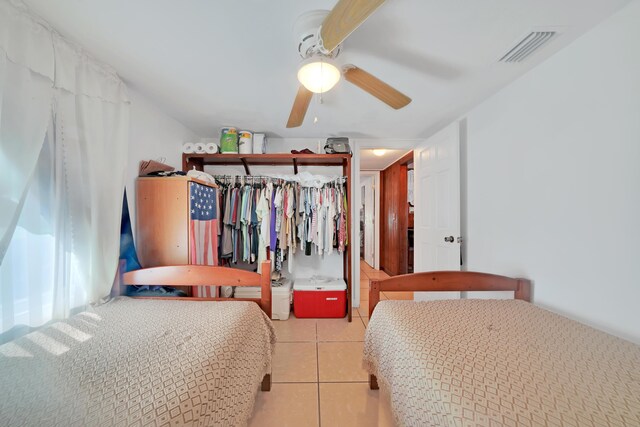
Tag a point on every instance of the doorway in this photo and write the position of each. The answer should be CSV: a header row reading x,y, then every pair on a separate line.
x,y
396,230
373,160
368,219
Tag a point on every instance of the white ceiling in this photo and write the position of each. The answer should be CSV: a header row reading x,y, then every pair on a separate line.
x,y
371,162
229,62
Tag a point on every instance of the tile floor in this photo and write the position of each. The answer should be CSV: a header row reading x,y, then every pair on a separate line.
x,y
317,373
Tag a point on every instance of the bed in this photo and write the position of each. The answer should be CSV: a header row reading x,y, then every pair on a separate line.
x,y
145,361
494,362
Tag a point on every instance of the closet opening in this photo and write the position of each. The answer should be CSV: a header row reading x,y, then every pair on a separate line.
x,y
300,187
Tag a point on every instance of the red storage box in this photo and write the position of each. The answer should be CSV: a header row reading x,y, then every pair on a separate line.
x,y
319,298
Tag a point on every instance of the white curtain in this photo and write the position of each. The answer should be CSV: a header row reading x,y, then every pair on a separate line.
x,y
92,127
63,253
26,90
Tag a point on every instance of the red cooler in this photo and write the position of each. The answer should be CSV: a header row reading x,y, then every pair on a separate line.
x,y
319,297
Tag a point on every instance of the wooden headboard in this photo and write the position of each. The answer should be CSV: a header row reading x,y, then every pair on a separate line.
x,y
205,275
448,281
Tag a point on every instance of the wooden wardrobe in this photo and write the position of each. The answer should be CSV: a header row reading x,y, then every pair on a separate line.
x,y
394,217
162,220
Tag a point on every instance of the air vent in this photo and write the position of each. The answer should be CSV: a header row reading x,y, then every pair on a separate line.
x,y
525,47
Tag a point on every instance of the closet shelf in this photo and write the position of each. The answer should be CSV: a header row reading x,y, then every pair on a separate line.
x,y
276,159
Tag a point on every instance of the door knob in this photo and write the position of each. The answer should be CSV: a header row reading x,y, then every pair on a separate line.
x,y
449,239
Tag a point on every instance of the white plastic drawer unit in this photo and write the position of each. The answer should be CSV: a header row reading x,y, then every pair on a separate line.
x,y
280,298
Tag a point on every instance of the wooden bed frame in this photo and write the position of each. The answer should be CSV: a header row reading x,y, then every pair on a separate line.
x,y
205,275
445,281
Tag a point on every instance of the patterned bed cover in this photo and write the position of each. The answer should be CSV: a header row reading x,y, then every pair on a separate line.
x,y
499,363
139,362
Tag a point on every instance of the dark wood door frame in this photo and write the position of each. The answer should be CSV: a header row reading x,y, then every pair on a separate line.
x,y
394,242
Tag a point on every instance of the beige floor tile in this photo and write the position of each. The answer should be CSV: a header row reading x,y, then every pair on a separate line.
x,y
287,405
355,312
341,361
295,329
295,362
377,275
383,296
363,311
361,319
365,320
339,330
398,295
365,266
353,405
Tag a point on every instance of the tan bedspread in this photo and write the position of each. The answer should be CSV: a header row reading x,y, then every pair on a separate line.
x,y
492,362
139,362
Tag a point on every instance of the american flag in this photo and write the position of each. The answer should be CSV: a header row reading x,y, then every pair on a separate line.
x,y
203,227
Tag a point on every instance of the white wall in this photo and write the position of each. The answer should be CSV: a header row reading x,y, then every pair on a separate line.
x,y
553,179
153,135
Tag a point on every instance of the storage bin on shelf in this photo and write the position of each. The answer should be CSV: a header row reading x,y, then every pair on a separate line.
x,y
280,298
229,140
245,142
320,297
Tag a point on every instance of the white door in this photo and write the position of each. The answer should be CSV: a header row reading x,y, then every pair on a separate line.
x,y
437,205
369,218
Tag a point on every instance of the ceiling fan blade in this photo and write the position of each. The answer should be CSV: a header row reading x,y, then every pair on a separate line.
x,y
300,106
375,87
344,18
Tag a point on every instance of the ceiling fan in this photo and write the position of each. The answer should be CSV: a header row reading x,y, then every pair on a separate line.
x,y
320,34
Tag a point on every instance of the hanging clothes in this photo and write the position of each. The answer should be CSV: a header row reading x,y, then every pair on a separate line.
x,y
263,216
279,217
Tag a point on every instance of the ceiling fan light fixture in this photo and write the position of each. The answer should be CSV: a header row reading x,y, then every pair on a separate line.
x,y
379,152
318,74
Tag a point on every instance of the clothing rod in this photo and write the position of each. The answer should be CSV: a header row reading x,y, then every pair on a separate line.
x,y
338,179
260,176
